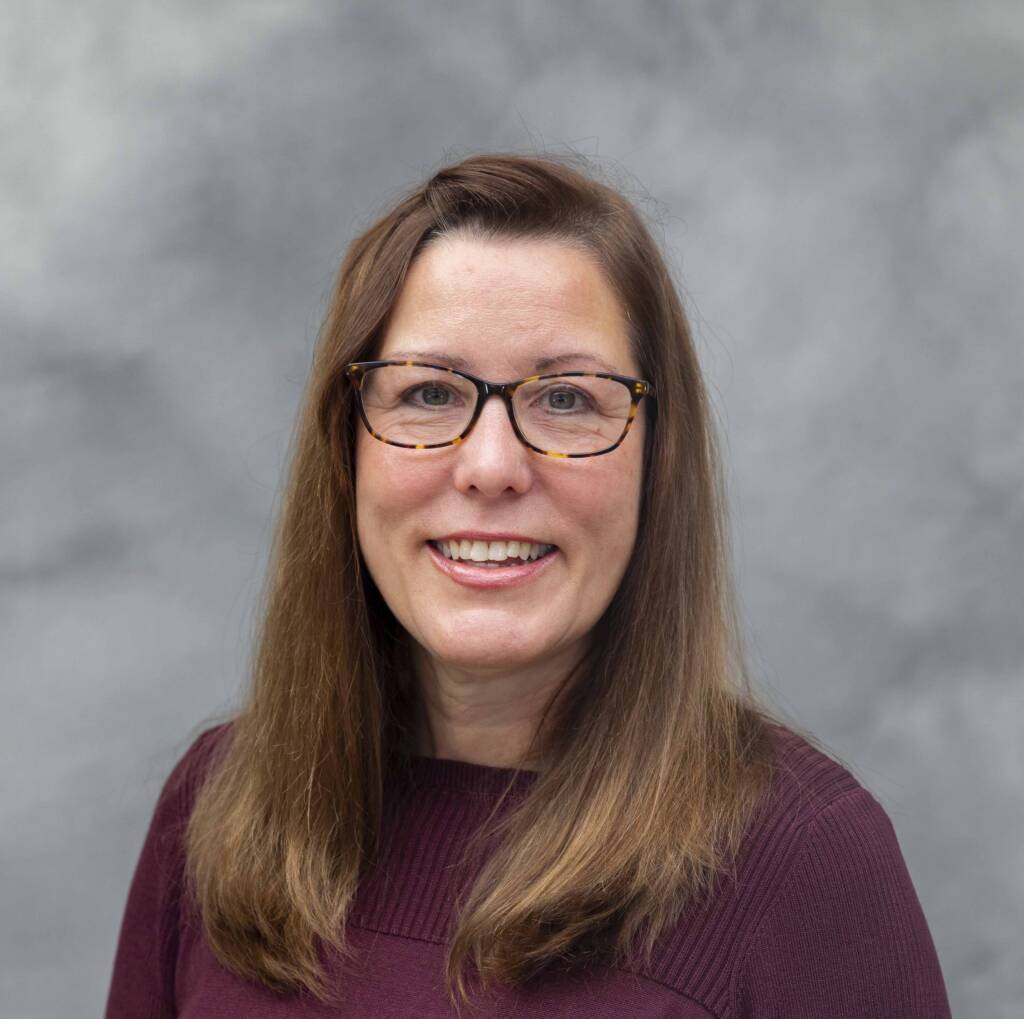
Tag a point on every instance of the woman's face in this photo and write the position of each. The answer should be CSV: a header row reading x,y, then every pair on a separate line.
x,y
500,307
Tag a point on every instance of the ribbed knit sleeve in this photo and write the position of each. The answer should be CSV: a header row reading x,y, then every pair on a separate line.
x,y
844,935
142,983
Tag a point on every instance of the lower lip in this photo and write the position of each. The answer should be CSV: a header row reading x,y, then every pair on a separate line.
x,y
482,576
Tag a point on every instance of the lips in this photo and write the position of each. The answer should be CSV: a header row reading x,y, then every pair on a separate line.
x,y
470,574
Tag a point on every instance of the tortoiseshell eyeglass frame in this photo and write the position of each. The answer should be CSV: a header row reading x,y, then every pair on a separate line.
x,y
638,389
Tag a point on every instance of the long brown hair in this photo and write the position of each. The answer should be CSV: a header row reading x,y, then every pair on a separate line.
x,y
658,751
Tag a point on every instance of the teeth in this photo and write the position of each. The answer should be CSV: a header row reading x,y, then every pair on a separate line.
x,y
493,551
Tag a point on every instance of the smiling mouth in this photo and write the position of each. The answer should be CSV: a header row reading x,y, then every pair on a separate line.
x,y
516,554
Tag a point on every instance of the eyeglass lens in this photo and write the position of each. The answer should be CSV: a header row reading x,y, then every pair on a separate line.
x,y
562,414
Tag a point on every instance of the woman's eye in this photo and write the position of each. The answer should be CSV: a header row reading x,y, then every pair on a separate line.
x,y
433,396
565,399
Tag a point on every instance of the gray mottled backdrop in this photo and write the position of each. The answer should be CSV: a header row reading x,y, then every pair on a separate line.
x,y
838,187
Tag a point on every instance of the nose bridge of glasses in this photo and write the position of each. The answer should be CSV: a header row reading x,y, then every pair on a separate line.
x,y
497,388
503,391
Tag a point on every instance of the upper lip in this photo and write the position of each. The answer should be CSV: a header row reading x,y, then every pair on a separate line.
x,y
483,536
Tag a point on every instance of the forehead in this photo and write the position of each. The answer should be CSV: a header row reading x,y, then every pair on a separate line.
x,y
507,305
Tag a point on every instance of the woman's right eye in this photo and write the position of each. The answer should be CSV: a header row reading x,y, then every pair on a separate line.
x,y
431,394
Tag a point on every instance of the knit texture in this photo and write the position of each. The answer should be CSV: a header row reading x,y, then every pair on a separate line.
x,y
822,920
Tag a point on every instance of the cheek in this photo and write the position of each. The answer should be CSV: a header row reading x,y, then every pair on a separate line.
x,y
605,503
390,490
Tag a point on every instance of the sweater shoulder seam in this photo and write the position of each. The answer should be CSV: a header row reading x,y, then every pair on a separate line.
x,y
712,1013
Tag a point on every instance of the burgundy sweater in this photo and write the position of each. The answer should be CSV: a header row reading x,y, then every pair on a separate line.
x,y
822,920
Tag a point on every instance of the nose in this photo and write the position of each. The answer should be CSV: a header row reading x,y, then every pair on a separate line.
x,y
491,458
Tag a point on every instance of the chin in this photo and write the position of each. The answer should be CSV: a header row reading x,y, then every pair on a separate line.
x,y
486,656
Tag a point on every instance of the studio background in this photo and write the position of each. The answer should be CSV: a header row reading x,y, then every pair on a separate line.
x,y
838,189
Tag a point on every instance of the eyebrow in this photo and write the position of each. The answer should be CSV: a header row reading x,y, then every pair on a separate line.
x,y
454,361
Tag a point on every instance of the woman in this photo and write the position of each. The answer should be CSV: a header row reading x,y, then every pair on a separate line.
x,y
500,752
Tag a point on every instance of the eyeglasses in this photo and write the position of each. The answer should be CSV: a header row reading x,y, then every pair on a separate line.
x,y
425,406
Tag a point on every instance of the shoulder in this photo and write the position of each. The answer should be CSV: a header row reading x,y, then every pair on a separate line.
x,y
817,817
816,814
824,813
806,780
809,791
203,749
179,790
812,797
830,914
143,978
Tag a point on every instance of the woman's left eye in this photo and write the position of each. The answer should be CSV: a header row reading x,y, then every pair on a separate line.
x,y
568,399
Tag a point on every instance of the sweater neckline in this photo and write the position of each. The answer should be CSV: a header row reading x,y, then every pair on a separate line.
x,y
466,777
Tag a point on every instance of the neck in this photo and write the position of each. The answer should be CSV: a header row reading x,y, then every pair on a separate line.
x,y
484,719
